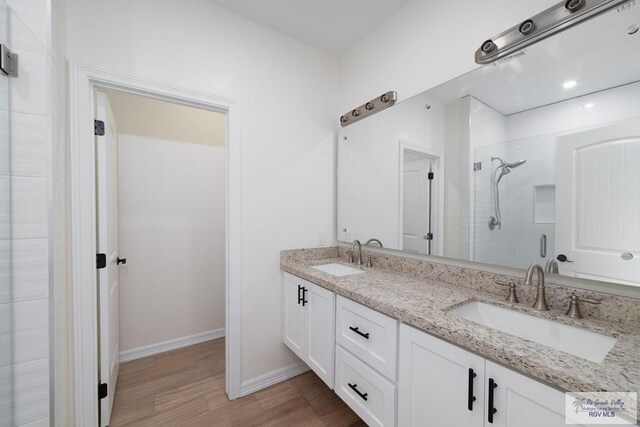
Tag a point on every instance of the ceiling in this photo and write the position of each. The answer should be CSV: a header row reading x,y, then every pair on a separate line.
x,y
331,25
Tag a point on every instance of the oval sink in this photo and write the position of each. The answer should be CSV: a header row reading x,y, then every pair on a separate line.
x,y
336,269
579,342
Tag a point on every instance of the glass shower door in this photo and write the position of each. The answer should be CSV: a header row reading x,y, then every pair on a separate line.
x,y
6,336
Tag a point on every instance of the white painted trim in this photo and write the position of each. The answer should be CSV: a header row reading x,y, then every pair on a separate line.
x,y
82,81
270,378
174,344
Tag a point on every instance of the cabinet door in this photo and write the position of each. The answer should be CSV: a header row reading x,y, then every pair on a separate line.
x,y
438,383
321,315
294,316
523,402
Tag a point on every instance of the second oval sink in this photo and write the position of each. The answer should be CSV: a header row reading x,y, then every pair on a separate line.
x,y
579,342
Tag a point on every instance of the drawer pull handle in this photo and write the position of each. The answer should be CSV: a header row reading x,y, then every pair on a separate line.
x,y
492,410
357,331
354,387
304,296
471,397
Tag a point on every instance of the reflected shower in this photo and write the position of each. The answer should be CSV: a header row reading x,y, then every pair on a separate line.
x,y
501,170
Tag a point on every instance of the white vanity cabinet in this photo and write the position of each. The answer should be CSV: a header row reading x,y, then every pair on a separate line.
x,y
439,384
522,401
309,325
437,387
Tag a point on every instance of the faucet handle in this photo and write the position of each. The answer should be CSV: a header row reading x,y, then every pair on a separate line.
x,y
512,297
574,305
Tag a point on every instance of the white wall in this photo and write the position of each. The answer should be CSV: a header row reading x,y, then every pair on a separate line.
x,y
426,43
172,232
287,123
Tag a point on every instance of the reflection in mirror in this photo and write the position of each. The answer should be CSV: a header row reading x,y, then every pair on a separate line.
x,y
532,159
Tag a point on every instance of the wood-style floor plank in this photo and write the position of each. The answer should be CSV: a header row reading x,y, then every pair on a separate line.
x,y
186,387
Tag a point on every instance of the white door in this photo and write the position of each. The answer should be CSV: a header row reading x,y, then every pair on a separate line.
x,y
415,203
523,402
439,384
321,332
294,333
598,203
107,216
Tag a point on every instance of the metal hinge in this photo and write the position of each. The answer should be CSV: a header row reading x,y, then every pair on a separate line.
x,y
8,61
477,166
101,261
103,391
98,128
430,176
428,236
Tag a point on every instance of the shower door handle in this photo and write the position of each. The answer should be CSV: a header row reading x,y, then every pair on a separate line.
x,y
543,246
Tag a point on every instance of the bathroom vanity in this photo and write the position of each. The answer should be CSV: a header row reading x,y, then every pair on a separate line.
x,y
399,342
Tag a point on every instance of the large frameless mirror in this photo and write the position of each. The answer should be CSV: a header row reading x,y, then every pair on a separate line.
x,y
534,158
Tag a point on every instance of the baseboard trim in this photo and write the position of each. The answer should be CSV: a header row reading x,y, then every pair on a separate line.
x,y
270,378
161,347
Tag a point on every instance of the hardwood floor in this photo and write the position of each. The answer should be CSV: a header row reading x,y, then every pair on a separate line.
x,y
186,388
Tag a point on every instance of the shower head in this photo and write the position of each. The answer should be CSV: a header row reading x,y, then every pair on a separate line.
x,y
505,167
515,164
509,165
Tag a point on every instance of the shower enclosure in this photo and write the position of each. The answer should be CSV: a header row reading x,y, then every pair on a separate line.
x,y
6,324
515,191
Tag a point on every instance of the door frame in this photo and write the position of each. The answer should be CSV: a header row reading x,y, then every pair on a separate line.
x,y
83,79
439,200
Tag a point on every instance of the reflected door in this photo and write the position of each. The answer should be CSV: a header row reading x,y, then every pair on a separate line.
x,y
418,203
598,203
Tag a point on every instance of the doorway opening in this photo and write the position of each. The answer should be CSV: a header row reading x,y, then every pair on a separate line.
x,y
160,174
86,84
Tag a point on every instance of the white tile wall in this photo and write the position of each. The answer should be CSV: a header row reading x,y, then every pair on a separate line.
x,y
30,169
29,207
31,389
30,151
30,258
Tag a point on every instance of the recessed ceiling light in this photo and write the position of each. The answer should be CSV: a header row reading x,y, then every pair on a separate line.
x,y
569,84
589,105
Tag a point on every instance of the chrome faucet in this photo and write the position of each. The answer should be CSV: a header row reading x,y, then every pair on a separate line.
x,y
374,240
541,298
552,266
356,259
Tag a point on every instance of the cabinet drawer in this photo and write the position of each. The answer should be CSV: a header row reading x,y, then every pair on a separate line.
x,y
368,393
369,335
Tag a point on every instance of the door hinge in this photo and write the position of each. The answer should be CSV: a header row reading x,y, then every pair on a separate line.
x,y
98,128
428,236
477,166
103,390
101,261
8,61
430,176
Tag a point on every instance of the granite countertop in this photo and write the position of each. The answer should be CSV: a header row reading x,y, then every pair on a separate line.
x,y
424,304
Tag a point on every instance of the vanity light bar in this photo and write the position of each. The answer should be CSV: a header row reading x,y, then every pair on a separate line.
x,y
558,18
365,110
